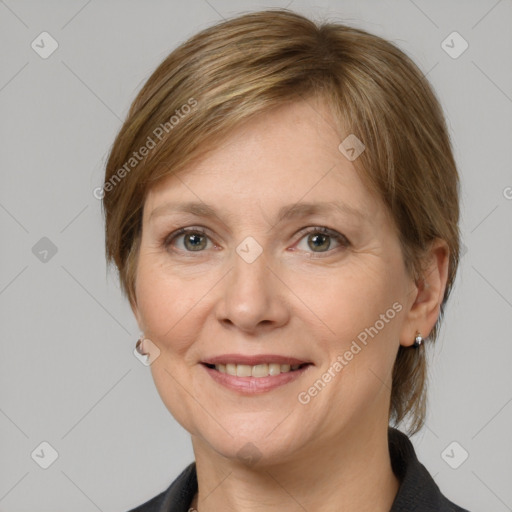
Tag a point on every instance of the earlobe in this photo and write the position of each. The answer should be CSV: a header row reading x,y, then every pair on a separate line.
x,y
428,295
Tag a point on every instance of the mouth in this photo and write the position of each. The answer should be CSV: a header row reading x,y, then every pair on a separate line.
x,y
258,370
254,374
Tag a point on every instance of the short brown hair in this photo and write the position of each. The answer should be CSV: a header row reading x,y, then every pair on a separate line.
x,y
250,64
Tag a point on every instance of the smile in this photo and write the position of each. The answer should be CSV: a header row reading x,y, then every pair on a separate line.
x,y
258,370
259,378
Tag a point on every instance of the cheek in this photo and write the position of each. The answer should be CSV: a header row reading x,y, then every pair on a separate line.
x,y
362,308
168,306
165,303
172,382
361,296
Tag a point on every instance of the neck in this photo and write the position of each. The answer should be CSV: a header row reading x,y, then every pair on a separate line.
x,y
349,476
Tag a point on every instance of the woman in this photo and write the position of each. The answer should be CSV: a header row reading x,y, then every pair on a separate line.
x,y
282,206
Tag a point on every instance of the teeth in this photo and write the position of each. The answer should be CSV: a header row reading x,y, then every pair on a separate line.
x,y
259,370
276,369
243,370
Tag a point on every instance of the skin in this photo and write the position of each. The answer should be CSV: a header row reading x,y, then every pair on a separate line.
x,y
298,299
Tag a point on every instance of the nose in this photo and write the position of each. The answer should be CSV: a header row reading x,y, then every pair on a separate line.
x,y
253,297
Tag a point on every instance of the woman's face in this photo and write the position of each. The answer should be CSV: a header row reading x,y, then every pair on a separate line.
x,y
297,264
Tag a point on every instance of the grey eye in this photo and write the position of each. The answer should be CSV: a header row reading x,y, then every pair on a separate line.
x,y
195,241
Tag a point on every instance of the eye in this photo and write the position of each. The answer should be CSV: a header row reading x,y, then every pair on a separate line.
x,y
194,239
321,238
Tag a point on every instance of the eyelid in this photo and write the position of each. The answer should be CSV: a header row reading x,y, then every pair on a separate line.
x,y
324,230
167,239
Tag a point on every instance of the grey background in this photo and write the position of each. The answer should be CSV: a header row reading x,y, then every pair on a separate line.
x,y
68,375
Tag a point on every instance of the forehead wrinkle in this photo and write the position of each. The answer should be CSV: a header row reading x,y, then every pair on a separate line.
x,y
311,208
285,212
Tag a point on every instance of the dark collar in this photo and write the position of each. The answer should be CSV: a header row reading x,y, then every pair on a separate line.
x,y
417,493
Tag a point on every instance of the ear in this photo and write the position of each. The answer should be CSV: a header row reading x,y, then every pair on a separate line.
x,y
427,294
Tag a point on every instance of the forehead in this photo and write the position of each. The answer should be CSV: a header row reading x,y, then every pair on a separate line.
x,y
286,156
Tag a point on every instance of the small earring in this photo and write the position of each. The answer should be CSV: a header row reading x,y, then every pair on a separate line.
x,y
418,340
138,345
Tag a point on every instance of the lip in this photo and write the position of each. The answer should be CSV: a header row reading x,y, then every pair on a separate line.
x,y
253,360
255,385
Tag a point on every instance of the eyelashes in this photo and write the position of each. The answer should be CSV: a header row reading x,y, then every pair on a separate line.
x,y
169,239
325,233
196,234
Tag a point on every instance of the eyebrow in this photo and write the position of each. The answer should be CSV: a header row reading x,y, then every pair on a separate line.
x,y
288,212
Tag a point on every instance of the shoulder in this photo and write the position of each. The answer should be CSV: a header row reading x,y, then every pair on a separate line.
x,y
417,491
177,497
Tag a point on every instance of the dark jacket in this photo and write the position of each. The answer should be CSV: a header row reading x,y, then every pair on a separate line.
x,y
417,493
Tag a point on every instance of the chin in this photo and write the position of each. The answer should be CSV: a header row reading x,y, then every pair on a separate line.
x,y
254,439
